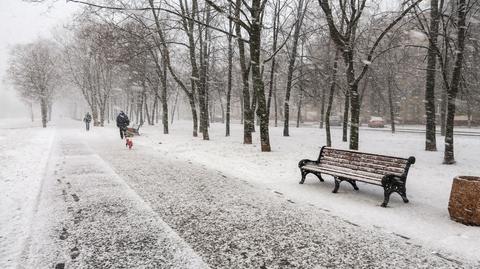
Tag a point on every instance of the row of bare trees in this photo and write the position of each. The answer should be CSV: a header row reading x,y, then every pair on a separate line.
x,y
257,60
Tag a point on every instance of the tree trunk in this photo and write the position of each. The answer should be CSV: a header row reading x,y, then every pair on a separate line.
x,y
322,108
173,110
443,110
102,115
469,113
95,114
164,99
202,87
430,136
449,157
258,85
247,111
346,112
333,85
158,111
291,67
299,110
44,111
230,69
275,29
275,100
300,95
109,109
154,108
390,104
32,115
147,113
191,100
50,112
354,101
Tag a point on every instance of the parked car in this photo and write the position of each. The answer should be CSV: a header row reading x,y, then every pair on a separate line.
x,y
376,122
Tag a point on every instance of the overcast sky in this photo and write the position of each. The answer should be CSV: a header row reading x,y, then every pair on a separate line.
x,y
22,22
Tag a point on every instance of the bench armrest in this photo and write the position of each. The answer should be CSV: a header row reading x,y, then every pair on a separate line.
x,y
395,179
305,162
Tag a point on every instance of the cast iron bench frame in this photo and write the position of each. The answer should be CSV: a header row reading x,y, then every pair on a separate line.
x,y
351,166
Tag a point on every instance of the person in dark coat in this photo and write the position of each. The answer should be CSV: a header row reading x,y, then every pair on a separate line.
x,y
87,119
122,123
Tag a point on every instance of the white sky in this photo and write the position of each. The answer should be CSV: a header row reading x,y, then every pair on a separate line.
x,y
23,22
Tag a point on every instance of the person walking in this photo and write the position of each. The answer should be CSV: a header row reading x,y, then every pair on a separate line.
x,y
122,123
87,119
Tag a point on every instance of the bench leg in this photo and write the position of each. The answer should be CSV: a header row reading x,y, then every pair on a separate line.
x,y
393,184
387,193
353,183
304,174
403,193
337,185
319,175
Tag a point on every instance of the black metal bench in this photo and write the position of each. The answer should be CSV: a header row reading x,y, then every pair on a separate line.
x,y
352,166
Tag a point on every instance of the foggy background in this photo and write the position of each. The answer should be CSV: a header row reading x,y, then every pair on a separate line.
x,y
22,22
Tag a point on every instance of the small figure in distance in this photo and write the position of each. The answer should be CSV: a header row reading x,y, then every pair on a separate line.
x,y
87,119
122,123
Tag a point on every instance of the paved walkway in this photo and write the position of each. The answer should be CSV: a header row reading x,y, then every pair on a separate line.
x,y
103,206
88,217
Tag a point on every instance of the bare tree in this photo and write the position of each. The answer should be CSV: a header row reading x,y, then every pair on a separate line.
x,y
33,70
301,8
345,41
463,6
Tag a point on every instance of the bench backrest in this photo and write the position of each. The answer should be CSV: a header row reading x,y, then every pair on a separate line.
x,y
365,162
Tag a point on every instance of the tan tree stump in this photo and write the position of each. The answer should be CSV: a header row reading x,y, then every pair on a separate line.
x,y
464,205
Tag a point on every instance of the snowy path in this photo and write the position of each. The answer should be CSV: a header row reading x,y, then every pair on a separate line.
x,y
89,218
103,206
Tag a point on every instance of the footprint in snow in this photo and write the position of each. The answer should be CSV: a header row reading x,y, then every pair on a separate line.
x,y
64,234
74,252
75,197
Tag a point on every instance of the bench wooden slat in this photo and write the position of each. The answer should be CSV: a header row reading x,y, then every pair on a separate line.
x,y
352,171
345,174
375,169
380,161
364,154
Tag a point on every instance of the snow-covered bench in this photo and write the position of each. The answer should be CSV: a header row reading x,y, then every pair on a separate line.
x,y
134,130
348,165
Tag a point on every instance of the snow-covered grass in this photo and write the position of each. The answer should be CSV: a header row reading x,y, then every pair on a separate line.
x,y
24,150
425,219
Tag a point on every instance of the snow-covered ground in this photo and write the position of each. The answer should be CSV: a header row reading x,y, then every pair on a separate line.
x,y
425,219
97,196
24,151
